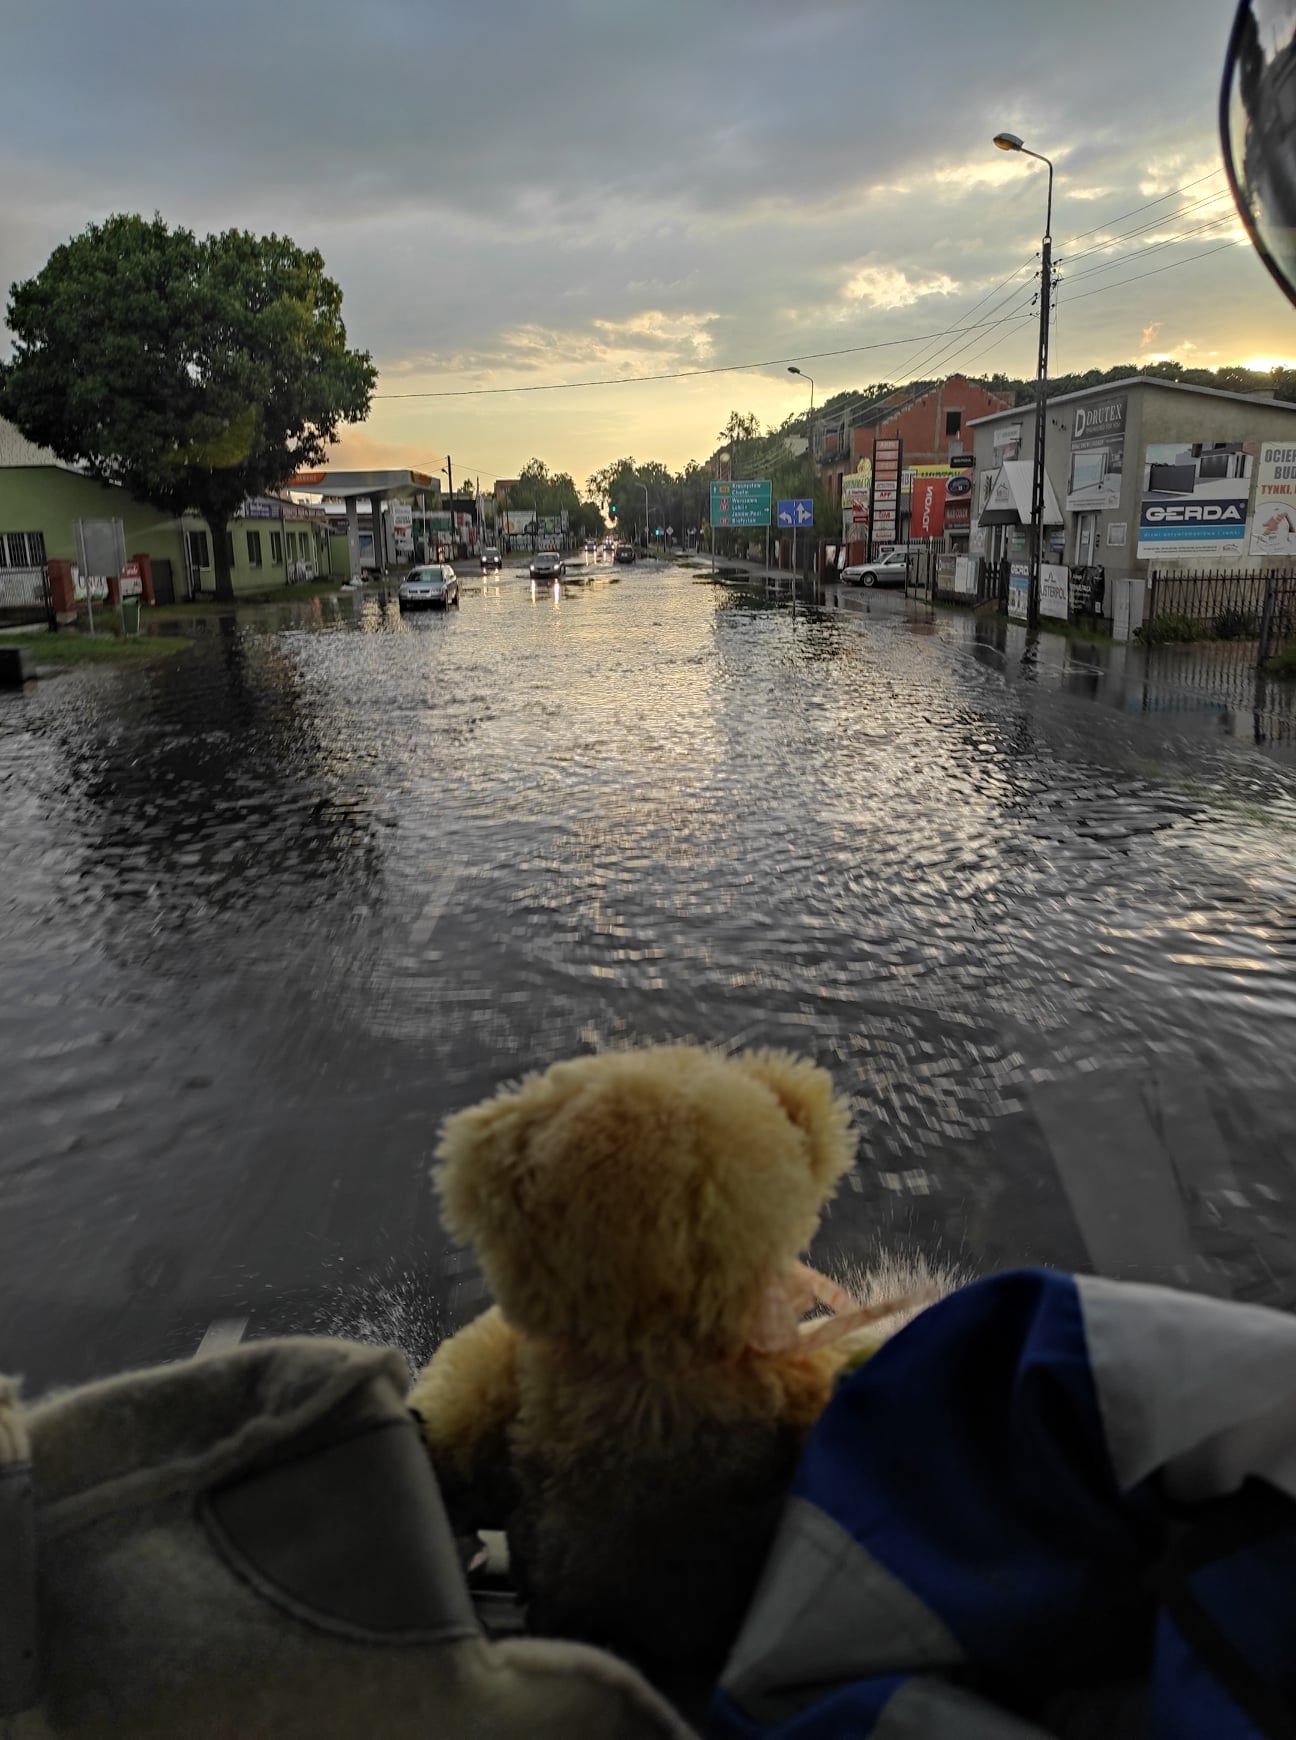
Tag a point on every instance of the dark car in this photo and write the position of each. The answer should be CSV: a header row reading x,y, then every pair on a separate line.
x,y
490,558
624,553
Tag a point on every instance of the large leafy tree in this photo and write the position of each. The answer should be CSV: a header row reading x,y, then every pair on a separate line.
x,y
194,372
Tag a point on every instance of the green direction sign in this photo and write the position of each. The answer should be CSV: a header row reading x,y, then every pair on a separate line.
x,y
742,503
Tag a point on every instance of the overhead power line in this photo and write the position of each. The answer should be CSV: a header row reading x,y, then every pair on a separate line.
x,y
687,374
945,352
1168,267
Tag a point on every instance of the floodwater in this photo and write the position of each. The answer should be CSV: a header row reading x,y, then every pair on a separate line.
x,y
271,909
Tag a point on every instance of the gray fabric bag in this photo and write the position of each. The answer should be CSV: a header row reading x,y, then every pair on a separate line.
x,y
252,1544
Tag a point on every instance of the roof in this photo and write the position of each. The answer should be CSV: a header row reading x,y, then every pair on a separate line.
x,y
16,450
346,483
1109,387
1010,499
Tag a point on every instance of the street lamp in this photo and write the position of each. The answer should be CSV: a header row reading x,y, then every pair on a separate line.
x,y
647,539
1011,142
794,370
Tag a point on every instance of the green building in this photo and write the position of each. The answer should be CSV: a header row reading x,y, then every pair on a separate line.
x,y
50,511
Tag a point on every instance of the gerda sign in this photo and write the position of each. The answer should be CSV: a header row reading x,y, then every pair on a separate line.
x,y
1194,499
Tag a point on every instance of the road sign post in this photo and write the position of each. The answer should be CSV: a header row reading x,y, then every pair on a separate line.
x,y
796,513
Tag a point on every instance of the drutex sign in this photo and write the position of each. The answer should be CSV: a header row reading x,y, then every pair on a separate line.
x,y
741,503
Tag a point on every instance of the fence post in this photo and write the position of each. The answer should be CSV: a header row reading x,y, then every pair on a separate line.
x,y
1150,614
1266,619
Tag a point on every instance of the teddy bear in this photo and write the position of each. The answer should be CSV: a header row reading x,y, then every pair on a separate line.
x,y
631,1408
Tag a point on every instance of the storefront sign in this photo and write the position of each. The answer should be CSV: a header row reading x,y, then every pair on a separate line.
x,y
1018,591
132,581
1273,530
1194,500
1097,455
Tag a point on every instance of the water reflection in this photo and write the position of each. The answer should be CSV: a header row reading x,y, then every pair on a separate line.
x,y
275,908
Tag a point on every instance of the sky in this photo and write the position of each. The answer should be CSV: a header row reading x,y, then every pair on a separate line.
x,y
524,194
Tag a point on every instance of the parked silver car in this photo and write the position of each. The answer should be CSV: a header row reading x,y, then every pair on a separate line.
x,y
888,570
432,588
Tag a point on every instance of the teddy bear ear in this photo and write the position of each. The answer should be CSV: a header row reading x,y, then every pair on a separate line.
x,y
810,1102
482,1174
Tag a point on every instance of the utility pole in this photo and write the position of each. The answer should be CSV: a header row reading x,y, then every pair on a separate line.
x,y
450,481
1011,142
1041,421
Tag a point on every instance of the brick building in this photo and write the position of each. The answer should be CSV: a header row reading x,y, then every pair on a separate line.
x,y
932,422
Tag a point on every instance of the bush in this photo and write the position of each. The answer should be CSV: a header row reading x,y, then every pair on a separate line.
x,y
1236,625
1283,664
1163,630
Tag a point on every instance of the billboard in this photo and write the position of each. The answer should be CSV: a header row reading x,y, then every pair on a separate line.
x,y
927,518
856,489
1194,500
1097,455
888,460
1273,528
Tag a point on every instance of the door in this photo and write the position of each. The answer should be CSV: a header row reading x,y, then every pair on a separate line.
x,y
1086,540
163,582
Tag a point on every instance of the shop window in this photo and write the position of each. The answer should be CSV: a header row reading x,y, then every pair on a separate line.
x,y
254,549
22,549
953,422
292,546
199,550
276,549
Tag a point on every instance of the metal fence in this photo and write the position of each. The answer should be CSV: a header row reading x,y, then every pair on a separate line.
x,y
1220,605
22,588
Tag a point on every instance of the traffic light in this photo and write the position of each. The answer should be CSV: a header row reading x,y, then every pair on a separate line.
x,y
612,509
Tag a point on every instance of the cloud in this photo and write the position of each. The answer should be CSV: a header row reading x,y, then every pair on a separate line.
x,y
513,193
888,287
1150,334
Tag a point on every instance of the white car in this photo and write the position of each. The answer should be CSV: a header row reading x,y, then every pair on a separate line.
x,y
889,570
431,588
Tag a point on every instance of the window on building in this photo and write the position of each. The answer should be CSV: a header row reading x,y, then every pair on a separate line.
x,y
254,549
276,549
953,422
199,550
229,548
22,549
292,546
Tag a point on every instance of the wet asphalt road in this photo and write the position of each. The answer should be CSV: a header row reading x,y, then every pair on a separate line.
x,y
272,909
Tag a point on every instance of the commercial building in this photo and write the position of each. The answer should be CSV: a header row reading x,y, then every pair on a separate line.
x,y
918,432
1142,476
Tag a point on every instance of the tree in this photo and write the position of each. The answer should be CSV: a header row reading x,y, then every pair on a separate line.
x,y
192,372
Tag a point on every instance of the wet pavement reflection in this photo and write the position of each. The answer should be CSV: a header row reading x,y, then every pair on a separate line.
x,y
273,908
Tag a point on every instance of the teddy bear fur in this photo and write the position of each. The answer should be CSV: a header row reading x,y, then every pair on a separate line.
x,y
629,1211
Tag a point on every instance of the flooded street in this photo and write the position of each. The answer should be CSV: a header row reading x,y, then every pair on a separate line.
x,y
272,908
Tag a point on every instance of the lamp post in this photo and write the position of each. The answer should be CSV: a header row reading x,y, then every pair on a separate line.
x,y
794,370
644,488
1010,142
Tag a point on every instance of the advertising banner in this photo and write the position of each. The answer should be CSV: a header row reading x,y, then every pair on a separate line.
x,y
928,517
856,488
1097,455
1055,590
1018,591
1194,500
1007,441
1273,529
